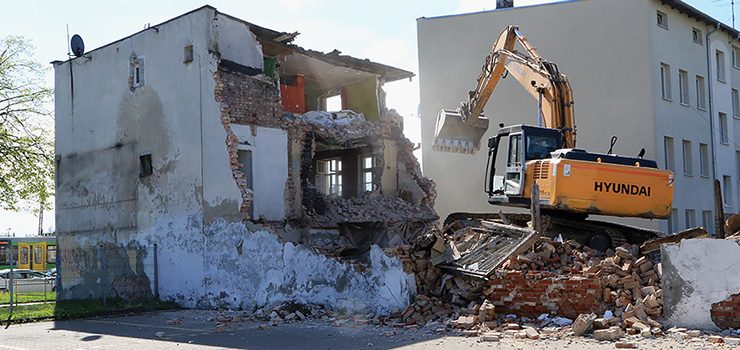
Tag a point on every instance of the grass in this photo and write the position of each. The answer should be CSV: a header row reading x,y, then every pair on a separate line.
x,y
5,298
48,266
69,309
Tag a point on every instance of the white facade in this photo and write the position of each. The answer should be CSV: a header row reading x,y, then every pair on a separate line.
x,y
613,53
150,201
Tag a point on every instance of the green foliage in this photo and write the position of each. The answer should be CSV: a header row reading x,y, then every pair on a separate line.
x,y
26,144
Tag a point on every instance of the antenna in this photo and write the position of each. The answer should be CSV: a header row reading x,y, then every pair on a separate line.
x,y
69,54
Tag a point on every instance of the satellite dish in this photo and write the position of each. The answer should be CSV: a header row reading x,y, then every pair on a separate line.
x,y
77,45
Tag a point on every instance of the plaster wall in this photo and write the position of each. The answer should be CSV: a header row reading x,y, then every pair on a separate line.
x,y
111,220
103,126
605,61
236,42
269,147
685,120
696,274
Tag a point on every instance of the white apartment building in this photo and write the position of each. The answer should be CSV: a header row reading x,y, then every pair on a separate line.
x,y
658,74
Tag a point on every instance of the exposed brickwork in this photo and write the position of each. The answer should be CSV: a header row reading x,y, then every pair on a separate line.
x,y
726,314
132,288
255,100
534,293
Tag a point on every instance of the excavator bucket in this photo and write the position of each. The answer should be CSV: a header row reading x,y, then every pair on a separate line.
x,y
453,135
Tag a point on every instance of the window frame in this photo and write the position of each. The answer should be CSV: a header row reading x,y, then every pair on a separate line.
x,y
701,95
727,190
669,156
367,170
688,163
735,98
683,87
690,218
704,159
735,56
724,136
662,19
696,33
721,71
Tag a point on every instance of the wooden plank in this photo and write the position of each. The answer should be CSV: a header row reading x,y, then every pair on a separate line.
x,y
720,209
535,208
654,244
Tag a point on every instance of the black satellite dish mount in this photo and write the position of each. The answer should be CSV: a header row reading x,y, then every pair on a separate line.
x,y
77,45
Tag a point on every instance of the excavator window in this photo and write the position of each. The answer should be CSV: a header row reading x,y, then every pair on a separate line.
x,y
515,151
539,147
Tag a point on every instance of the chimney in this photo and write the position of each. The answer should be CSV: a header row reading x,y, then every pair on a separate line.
x,y
500,4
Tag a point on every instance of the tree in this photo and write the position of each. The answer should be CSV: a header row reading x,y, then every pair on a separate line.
x,y
26,144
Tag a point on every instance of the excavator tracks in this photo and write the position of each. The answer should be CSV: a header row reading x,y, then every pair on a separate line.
x,y
593,233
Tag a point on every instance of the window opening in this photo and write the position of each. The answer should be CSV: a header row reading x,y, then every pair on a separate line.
x,y
665,81
662,20
720,65
683,87
700,94
670,159
145,165
329,177
696,34
704,159
707,220
688,166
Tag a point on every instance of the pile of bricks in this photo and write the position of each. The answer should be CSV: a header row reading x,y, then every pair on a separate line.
x,y
416,262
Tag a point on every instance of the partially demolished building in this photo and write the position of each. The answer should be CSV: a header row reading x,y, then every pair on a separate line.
x,y
196,161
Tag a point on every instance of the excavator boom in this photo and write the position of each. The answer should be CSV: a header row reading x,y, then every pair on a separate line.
x,y
461,130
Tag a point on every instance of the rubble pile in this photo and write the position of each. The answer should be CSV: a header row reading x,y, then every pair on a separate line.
x,y
378,209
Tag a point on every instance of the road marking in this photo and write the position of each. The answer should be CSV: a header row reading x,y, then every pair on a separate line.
x,y
145,325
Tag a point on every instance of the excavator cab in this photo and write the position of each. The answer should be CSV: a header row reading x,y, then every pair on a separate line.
x,y
525,143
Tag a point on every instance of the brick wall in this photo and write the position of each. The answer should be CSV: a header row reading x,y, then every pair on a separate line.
x,y
726,314
534,293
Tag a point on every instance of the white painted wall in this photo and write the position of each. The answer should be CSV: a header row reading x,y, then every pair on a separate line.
x,y
696,274
189,206
269,149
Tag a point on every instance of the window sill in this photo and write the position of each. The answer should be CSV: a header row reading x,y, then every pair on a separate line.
x,y
663,26
685,104
722,81
667,99
724,143
701,109
689,175
700,43
705,176
736,116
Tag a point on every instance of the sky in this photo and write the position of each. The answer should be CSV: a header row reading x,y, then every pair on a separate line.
x,y
383,31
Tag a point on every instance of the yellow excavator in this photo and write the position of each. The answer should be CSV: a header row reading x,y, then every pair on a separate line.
x,y
570,180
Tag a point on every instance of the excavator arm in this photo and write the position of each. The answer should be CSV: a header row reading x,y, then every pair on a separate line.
x,y
462,130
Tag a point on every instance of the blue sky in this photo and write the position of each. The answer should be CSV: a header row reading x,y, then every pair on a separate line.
x,y
382,30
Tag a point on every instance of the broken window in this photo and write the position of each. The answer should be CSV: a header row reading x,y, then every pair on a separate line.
x,y
145,165
329,177
188,53
137,71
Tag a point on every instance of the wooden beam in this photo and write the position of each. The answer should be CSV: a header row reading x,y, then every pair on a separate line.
x,y
654,244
